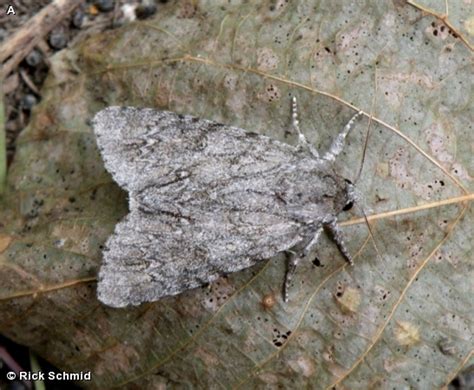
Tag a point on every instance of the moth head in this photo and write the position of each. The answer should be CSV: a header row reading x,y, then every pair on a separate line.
x,y
339,195
351,195
346,198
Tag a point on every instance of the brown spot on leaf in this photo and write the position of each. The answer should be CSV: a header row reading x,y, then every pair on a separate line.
x,y
5,242
348,299
267,59
207,357
407,334
268,301
188,10
303,365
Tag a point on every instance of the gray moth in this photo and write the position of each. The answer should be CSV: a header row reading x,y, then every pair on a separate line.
x,y
207,199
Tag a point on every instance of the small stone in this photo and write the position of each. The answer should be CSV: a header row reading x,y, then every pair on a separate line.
x,y
105,5
28,102
145,11
57,39
34,57
77,18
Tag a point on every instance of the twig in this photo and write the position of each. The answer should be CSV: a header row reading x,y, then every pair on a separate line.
x,y
25,39
29,82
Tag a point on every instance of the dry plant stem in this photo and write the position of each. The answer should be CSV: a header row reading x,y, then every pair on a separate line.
x,y
29,82
408,210
15,48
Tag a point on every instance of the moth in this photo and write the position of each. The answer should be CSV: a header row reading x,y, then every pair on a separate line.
x,y
208,199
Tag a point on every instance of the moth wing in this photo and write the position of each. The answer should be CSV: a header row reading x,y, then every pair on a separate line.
x,y
203,202
152,256
143,146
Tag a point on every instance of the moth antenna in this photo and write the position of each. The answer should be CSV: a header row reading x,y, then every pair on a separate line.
x,y
338,143
364,151
371,234
368,133
295,123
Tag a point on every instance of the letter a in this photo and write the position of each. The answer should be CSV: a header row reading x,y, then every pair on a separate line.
x,y
11,10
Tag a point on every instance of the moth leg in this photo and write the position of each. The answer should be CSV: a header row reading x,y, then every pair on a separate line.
x,y
338,143
295,258
336,234
295,124
308,248
292,263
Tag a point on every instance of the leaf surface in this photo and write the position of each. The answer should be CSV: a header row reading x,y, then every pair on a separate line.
x,y
400,318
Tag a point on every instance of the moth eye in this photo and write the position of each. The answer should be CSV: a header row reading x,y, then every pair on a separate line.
x,y
348,206
347,181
